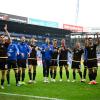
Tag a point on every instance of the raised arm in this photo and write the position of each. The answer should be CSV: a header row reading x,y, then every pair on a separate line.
x,y
97,41
7,33
86,40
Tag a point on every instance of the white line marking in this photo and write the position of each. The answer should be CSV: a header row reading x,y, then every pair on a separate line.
x,y
30,96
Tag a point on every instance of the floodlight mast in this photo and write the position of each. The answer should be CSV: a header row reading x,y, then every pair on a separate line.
x,y
77,11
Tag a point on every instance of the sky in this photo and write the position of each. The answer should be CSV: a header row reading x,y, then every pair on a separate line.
x,y
62,11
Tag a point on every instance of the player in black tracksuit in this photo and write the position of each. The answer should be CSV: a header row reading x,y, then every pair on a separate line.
x,y
3,55
32,61
92,59
63,59
76,61
54,62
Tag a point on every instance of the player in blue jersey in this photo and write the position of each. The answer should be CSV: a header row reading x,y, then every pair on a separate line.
x,y
85,64
46,58
12,52
85,69
24,52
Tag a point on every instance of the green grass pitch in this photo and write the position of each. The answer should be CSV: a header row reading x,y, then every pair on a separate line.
x,y
60,90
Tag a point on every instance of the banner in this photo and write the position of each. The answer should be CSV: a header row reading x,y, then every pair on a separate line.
x,y
42,23
73,28
9,17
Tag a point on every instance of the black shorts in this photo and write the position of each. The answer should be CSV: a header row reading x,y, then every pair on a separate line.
x,y
63,63
21,63
32,62
85,63
3,62
12,64
54,63
75,65
92,63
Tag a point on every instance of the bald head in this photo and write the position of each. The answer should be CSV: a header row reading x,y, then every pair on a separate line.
x,y
77,45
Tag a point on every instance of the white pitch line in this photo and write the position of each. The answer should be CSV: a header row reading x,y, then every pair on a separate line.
x,y
30,96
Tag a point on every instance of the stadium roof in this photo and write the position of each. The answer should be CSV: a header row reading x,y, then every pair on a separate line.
x,y
30,29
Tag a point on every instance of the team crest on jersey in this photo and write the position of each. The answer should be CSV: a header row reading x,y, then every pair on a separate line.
x,y
10,50
76,51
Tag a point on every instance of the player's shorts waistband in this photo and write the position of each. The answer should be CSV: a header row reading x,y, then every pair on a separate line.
x,y
92,59
3,57
59,60
33,58
76,61
53,59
